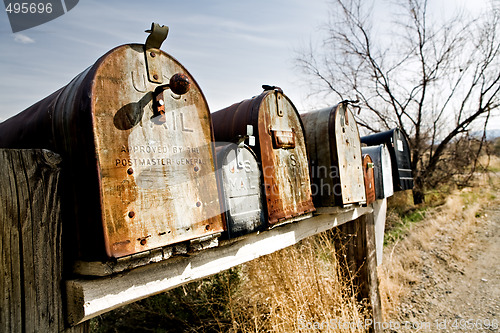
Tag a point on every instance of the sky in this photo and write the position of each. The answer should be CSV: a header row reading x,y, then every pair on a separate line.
x,y
231,48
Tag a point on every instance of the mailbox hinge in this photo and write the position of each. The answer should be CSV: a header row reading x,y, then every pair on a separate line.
x,y
157,34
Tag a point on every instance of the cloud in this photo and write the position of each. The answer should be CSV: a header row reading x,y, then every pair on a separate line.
x,y
23,39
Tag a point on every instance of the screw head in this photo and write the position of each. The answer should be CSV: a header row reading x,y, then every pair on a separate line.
x,y
143,241
131,214
198,204
153,54
155,76
196,169
130,171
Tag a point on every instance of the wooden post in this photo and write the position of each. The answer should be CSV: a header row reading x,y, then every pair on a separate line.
x,y
357,253
380,214
31,258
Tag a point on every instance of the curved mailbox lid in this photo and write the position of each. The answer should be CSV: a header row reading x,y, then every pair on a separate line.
x,y
241,189
280,148
369,178
382,171
399,148
135,183
334,150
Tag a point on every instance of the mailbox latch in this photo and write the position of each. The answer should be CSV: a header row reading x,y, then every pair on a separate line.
x,y
283,139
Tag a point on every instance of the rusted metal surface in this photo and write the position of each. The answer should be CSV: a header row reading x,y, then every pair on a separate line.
x,y
399,148
368,167
242,189
383,169
157,35
280,148
133,183
335,156
179,84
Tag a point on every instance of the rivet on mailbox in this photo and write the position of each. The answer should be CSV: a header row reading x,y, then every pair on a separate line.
x,y
279,147
138,164
335,155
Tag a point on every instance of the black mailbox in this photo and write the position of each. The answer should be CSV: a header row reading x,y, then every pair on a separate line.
x,y
399,148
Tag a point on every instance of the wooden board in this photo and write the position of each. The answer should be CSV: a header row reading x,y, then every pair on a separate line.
x,y
31,261
379,214
89,298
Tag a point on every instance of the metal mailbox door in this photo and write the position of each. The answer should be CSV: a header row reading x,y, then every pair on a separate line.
x,y
369,178
280,148
382,171
335,153
399,149
241,189
139,167
157,175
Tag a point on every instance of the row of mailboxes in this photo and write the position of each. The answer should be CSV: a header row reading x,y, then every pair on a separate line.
x,y
280,149
381,160
399,149
141,169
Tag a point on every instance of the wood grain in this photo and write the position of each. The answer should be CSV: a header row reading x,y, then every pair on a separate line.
x,y
30,245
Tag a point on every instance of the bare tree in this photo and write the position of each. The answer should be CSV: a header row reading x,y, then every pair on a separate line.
x,y
436,77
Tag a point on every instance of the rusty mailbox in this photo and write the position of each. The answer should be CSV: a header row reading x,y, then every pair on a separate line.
x,y
335,156
382,170
241,189
399,148
280,149
135,134
369,178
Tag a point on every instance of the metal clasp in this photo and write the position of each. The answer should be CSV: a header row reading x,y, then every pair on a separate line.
x,y
157,34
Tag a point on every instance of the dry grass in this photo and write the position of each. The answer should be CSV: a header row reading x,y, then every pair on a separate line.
x,y
452,225
295,288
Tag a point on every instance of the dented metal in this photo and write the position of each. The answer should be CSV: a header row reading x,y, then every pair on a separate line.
x,y
135,178
279,146
334,150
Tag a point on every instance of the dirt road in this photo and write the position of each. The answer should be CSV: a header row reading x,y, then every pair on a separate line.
x,y
459,289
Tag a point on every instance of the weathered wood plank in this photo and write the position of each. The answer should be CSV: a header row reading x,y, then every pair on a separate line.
x,y
380,213
357,252
30,244
89,298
